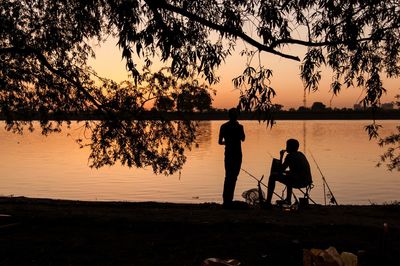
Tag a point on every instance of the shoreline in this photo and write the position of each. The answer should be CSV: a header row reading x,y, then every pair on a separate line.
x,y
212,115
66,201
68,232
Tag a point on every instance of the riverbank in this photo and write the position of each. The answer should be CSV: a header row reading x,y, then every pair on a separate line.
x,y
61,232
347,114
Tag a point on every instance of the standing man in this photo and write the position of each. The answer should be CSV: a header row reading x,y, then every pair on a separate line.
x,y
231,134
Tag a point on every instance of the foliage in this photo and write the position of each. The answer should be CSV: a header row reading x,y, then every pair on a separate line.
x,y
203,100
392,155
158,144
256,94
188,99
165,103
45,46
318,106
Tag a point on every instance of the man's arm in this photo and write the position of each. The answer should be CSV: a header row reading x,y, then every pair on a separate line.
x,y
221,140
284,163
243,136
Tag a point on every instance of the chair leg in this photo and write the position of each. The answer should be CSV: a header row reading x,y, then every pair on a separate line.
x,y
296,200
306,196
307,193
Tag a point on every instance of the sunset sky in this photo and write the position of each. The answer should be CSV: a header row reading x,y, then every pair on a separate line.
x,y
286,79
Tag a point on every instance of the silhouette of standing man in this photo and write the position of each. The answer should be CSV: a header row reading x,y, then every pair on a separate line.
x,y
231,134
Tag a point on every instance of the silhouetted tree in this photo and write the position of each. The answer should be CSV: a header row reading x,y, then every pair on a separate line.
x,y
189,100
392,156
157,144
303,109
318,106
165,103
45,46
203,100
277,107
185,101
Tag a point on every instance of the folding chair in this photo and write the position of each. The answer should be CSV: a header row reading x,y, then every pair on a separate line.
x,y
304,201
305,190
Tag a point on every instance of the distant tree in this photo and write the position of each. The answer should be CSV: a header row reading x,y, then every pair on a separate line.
x,y
276,107
318,106
345,109
165,103
189,100
387,106
203,100
45,46
303,109
185,101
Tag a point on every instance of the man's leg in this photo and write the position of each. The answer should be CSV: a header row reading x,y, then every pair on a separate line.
x,y
232,169
290,182
229,189
289,190
271,188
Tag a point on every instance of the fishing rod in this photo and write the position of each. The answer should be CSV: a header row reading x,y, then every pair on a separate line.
x,y
333,199
259,181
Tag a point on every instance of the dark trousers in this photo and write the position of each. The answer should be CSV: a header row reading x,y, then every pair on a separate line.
x,y
287,179
271,187
233,163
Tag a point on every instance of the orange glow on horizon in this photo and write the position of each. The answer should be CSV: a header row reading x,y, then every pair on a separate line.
x,y
286,79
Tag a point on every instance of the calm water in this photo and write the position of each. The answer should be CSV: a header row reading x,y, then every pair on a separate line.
x,y
55,167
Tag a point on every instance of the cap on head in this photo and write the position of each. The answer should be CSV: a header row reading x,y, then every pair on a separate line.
x,y
233,114
292,145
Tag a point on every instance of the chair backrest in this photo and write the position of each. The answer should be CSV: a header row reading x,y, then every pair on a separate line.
x,y
276,166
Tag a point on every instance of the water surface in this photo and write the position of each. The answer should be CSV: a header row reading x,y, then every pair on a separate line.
x,y
55,167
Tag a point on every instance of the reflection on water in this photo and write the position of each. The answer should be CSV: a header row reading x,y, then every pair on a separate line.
x,y
54,166
156,144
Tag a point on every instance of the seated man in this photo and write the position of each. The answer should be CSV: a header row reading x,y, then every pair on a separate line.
x,y
298,174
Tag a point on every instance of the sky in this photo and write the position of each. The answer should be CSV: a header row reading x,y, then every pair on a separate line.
x,y
286,79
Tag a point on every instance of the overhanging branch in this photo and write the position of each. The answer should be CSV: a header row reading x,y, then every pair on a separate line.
x,y
221,28
315,44
46,63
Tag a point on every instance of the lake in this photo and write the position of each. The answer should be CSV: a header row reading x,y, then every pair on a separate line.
x,y
33,165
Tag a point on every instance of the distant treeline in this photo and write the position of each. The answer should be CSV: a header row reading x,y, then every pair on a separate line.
x,y
348,114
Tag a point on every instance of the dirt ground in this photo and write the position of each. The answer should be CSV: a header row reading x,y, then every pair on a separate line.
x,y
60,232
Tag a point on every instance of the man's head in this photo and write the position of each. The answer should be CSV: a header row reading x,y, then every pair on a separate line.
x,y
292,145
233,114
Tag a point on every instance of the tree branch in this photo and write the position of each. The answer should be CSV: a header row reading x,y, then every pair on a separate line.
x,y
46,63
324,43
315,44
221,28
